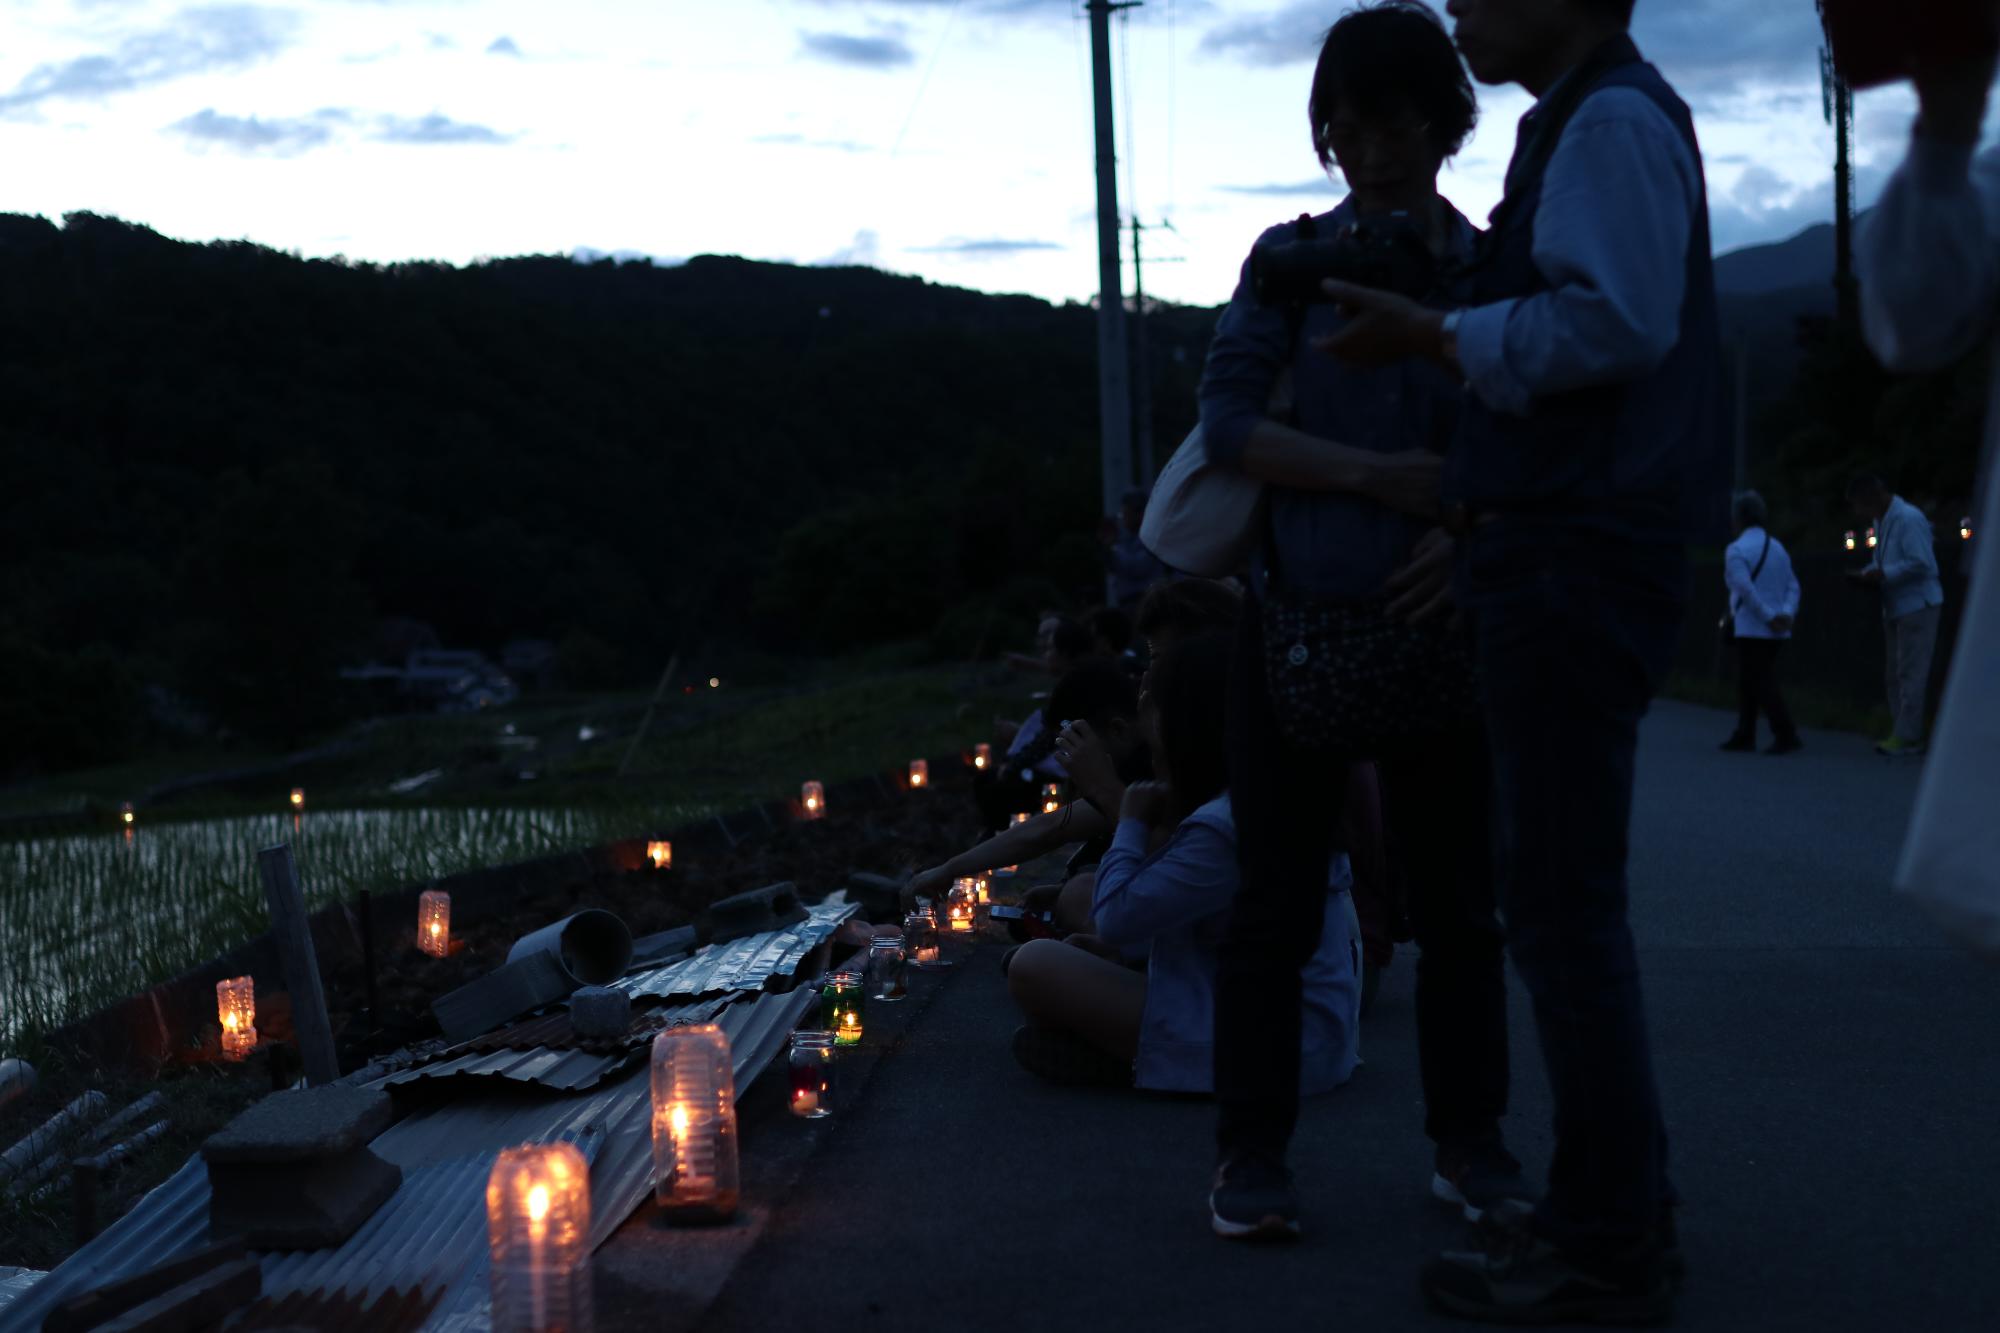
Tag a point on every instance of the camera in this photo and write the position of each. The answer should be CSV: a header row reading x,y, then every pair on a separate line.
x,y
1390,255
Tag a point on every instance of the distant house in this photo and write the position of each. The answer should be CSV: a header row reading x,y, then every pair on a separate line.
x,y
449,681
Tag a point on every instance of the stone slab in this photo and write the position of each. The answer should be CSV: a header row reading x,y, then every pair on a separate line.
x,y
301,1205
301,1126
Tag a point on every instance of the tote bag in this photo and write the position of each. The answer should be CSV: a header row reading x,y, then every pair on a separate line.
x,y
1202,518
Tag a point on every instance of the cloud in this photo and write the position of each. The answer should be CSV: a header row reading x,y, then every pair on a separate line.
x,y
865,52
991,248
865,250
434,129
197,41
279,136
1282,37
503,46
800,141
1318,185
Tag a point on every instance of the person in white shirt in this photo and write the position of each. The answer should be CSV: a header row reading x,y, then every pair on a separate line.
x,y
1905,568
1763,602
1929,261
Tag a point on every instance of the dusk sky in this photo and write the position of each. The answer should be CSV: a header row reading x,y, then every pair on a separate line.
x,y
945,138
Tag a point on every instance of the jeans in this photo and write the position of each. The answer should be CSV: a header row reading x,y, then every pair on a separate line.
x,y
1757,689
1287,802
1571,637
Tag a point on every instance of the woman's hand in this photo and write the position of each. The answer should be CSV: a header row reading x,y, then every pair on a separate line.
x,y
1781,624
1422,588
927,884
1148,802
1088,761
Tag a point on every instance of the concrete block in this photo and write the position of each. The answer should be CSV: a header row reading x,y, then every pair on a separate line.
x,y
599,1011
306,1205
880,897
770,908
302,1126
506,992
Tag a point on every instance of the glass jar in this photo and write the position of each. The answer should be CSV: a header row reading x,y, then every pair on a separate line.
x,y
840,1007
885,969
961,908
811,1068
920,941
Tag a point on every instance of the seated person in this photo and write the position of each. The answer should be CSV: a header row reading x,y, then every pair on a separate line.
x,y
1060,644
1167,883
1100,694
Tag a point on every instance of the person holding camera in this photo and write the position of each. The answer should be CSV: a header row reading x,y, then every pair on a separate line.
x,y
1591,450
1763,603
1346,651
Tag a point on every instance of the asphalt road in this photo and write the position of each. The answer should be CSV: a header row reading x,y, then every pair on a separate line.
x,y
1828,1064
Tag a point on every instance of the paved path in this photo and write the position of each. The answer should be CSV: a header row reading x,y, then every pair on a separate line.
x,y
1828,1065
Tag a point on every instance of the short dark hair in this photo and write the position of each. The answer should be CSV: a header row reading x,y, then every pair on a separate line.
x,y
1187,607
1096,691
1618,9
1071,639
1749,509
1112,626
1386,54
1190,691
1864,485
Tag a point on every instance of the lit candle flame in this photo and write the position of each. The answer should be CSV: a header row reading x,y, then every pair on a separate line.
x,y
538,1203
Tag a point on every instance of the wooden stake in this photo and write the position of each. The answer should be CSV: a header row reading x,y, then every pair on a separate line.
x,y
292,930
646,722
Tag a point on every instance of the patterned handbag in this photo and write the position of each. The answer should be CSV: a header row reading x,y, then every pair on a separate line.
x,y
1349,678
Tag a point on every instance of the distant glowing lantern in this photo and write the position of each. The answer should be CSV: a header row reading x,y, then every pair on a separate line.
x,y
810,1065
1871,538
715,682
982,756
920,939
694,1123
1020,817
298,798
1848,541
840,1007
920,774
434,922
236,1007
1965,528
1052,796
125,814
538,1233
812,796
660,853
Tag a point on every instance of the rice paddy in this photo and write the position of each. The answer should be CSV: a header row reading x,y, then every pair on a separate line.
x,y
91,918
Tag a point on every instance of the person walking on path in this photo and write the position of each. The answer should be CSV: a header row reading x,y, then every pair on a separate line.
x,y
1928,257
1905,568
1763,602
1591,450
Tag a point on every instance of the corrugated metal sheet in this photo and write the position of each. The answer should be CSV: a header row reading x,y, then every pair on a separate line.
x,y
431,1235
498,1056
14,1283
744,964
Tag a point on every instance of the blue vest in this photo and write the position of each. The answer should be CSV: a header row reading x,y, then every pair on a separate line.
x,y
1644,460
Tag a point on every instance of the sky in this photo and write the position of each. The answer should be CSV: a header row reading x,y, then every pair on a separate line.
x,y
949,139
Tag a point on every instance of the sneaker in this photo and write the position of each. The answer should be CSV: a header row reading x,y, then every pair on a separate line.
x,y
1739,745
1068,1060
1896,746
1786,745
1517,1277
1477,1175
1253,1199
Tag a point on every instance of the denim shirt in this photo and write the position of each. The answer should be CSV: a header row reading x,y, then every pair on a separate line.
x,y
1327,545
1175,903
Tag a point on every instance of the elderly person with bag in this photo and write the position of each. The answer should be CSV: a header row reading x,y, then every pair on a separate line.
x,y
1763,602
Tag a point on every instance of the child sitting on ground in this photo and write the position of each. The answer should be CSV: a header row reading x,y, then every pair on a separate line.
x,y
1167,883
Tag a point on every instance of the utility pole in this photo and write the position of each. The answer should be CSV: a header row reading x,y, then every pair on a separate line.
x,y
1113,364
1837,101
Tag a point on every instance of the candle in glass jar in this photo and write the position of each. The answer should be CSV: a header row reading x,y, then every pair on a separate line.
x,y
920,940
920,774
236,1009
885,968
1051,797
694,1123
812,799
660,854
840,1007
810,1065
434,922
982,756
537,1233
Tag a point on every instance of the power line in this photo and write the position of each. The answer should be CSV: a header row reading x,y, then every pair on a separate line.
x,y
936,51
